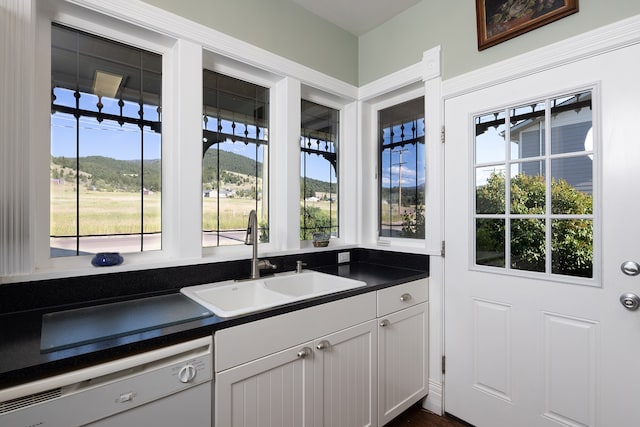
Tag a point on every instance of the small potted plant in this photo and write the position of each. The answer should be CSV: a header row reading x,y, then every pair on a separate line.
x,y
321,240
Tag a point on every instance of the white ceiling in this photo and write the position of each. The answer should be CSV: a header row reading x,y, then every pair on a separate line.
x,y
357,16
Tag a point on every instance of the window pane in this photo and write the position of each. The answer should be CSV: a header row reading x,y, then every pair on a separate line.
x,y
105,146
402,170
528,244
319,142
527,131
490,134
572,247
235,153
572,185
571,119
490,190
528,188
490,237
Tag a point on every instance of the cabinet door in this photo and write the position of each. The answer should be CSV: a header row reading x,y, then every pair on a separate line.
x,y
273,391
346,383
402,360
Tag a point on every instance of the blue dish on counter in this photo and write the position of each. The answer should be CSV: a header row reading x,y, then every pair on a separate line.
x,y
106,259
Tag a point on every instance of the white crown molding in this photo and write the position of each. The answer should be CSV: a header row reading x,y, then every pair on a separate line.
x,y
158,20
422,71
592,43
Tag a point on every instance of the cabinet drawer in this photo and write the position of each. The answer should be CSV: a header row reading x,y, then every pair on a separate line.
x,y
402,296
250,341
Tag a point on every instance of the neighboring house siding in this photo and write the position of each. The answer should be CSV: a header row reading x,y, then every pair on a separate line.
x,y
577,171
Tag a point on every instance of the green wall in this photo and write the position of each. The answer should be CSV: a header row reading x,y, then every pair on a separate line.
x,y
451,24
284,28
279,26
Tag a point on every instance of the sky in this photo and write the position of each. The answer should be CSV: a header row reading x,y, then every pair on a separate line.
x,y
109,139
406,165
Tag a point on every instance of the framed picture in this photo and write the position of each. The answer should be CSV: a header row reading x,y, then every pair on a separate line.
x,y
500,20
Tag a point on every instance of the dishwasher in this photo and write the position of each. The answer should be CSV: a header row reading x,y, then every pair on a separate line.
x,y
168,387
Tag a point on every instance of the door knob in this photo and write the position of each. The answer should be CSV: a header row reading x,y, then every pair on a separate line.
x,y
323,345
304,352
630,268
630,301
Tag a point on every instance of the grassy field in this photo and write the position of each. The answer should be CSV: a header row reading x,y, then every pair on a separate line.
x,y
104,213
234,213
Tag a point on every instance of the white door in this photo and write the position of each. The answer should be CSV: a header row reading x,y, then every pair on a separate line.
x,y
522,349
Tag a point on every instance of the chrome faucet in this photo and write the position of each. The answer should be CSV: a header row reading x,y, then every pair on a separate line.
x,y
252,239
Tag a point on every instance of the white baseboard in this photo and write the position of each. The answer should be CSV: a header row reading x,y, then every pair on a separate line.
x,y
433,401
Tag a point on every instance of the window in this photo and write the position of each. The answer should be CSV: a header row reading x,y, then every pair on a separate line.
x,y
402,170
319,141
235,139
534,180
105,145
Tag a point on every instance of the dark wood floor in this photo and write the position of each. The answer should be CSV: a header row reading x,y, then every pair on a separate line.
x,y
418,417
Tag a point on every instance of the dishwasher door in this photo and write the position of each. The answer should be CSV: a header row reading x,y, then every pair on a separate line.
x,y
169,387
184,409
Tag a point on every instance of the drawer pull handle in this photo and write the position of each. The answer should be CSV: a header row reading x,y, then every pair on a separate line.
x,y
384,323
305,352
323,345
405,297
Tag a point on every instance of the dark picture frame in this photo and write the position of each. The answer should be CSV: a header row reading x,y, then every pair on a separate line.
x,y
501,20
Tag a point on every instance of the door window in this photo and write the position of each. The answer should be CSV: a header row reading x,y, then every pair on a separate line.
x,y
534,187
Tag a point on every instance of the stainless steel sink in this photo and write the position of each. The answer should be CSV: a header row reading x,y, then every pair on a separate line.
x,y
233,298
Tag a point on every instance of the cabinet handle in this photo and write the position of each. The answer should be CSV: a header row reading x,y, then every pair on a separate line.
x,y
306,351
384,323
323,345
405,297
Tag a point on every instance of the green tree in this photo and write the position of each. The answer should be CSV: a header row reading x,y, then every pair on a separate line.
x,y
413,225
316,221
571,239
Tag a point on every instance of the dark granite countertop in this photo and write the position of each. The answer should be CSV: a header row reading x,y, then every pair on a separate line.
x,y
21,359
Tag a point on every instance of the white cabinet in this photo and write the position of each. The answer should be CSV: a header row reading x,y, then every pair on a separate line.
x,y
354,362
327,378
402,348
273,391
345,372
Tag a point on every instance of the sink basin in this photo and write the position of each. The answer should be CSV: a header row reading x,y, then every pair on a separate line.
x,y
233,298
309,283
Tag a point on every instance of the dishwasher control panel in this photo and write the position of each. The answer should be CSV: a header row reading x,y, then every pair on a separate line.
x,y
190,370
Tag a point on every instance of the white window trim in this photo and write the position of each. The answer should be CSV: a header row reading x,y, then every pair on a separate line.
x,y
182,43
347,173
173,51
421,79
